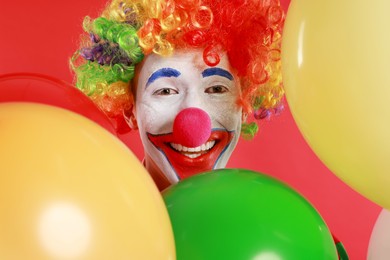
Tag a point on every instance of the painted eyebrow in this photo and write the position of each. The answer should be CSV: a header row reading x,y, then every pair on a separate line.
x,y
217,71
162,73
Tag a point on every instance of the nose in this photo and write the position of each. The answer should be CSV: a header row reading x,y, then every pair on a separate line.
x,y
191,127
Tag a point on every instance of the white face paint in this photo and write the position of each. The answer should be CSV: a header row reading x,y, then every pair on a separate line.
x,y
166,86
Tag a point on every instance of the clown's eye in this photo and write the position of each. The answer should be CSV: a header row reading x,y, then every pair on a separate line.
x,y
165,92
218,89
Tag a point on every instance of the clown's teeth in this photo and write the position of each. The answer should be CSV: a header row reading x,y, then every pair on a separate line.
x,y
192,155
195,149
203,147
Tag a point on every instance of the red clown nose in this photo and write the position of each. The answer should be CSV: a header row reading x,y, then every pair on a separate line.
x,y
192,127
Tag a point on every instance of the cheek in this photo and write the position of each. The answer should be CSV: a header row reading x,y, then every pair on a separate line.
x,y
230,119
226,114
155,118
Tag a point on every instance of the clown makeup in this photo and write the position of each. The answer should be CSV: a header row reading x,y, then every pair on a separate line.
x,y
207,129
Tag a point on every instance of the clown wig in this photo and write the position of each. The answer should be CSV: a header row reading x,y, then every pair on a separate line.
x,y
249,31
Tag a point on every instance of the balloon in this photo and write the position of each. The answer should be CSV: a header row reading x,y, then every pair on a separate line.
x,y
336,61
70,190
240,214
379,246
38,88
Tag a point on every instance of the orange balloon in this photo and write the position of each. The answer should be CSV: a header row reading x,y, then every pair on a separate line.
x,y
70,190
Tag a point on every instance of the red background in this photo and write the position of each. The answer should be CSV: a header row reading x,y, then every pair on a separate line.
x,y
40,36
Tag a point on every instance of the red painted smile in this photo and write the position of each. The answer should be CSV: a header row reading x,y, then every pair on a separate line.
x,y
188,161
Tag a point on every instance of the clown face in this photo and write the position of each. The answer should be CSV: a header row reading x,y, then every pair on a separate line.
x,y
187,113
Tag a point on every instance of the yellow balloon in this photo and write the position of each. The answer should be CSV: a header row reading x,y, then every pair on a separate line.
x,y
70,190
336,69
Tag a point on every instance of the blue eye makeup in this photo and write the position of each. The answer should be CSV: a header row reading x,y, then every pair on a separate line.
x,y
163,73
217,72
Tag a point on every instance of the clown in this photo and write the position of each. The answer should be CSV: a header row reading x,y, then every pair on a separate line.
x,y
189,75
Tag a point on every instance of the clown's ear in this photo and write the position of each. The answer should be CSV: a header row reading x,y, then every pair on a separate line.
x,y
130,114
244,116
130,118
132,122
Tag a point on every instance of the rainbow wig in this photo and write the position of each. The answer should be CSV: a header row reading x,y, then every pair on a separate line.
x,y
249,31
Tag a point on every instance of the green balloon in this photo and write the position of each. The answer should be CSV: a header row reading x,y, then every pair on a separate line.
x,y
243,215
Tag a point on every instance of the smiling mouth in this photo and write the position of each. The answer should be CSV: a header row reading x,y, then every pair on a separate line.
x,y
187,161
193,152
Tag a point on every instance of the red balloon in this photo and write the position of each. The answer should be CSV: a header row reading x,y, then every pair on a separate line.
x,y
38,88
